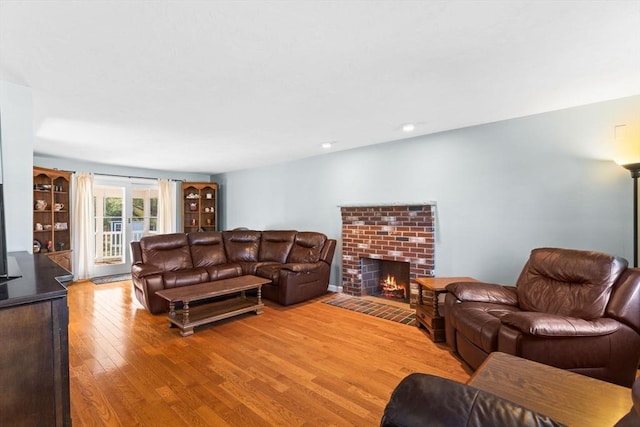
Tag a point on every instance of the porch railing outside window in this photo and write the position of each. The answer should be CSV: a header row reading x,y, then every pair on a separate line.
x,y
112,241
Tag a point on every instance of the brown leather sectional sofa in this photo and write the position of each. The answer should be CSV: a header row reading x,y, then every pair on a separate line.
x,y
298,263
575,310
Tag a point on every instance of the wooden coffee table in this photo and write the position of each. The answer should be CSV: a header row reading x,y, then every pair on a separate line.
x,y
428,315
567,397
189,317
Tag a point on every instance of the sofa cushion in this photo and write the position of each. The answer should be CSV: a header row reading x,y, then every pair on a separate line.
x,y
241,245
307,247
568,282
168,252
552,325
194,276
223,271
270,271
276,245
207,248
480,322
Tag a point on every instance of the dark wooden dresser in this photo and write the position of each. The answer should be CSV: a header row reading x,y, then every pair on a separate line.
x,y
34,348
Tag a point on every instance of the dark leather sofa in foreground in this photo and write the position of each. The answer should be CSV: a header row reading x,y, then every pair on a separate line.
x,y
427,400
575,310
298,263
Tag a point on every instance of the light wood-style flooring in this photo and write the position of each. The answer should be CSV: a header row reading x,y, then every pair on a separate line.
x,y
307,365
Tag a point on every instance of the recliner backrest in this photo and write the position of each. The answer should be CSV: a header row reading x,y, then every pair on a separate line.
x,y
307,247
207,248
168,252
568,282
241,245
276,244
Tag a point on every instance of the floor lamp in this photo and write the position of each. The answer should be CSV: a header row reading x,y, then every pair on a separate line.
x,y
634,168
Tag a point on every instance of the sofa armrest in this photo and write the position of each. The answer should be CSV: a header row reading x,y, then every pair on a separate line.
x,y
484,292
143,270
301,267
552,325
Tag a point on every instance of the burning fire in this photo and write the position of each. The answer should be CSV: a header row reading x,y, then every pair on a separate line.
x,y
391,288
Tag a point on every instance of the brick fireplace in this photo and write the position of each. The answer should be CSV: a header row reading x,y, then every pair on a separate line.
x,y
375,234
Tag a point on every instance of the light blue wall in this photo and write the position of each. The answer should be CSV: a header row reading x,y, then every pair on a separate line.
x,y
16,115
501,189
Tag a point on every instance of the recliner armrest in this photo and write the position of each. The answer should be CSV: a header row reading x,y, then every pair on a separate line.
x,y
142,270
552,325
484,292
301,267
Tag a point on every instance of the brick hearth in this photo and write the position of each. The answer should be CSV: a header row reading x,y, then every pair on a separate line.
x,y
393,232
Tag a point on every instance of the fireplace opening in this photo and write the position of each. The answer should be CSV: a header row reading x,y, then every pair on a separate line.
x,y
386,279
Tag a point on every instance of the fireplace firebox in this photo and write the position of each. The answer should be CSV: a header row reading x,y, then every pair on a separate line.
x,y
386,279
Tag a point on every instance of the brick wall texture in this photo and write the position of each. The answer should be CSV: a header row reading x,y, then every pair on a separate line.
x,y
393,233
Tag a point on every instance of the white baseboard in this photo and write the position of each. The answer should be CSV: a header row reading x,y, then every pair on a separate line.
x,y
335,288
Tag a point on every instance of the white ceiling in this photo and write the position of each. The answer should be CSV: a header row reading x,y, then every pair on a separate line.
x,y
215,86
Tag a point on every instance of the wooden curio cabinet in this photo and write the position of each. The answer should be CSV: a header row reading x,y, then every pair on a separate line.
x,y
199,206
51,215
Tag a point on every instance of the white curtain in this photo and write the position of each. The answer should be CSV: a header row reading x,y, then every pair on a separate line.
x,y
84,232
166,206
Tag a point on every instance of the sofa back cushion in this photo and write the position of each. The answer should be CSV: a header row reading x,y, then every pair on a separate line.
x,y
168,252
207,248
276,245
568,282
241,245
307,247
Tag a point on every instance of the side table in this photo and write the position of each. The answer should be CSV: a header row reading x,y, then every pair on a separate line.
x,y
428,314
567,397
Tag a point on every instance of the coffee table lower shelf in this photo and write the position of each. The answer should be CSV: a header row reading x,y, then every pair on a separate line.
x,y
212,312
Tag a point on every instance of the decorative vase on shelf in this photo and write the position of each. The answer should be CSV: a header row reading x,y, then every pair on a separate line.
x,y
41,205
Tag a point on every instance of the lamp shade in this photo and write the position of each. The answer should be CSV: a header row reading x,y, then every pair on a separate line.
x,y
627,145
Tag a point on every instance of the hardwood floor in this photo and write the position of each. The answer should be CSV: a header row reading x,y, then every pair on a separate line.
x,y
307,365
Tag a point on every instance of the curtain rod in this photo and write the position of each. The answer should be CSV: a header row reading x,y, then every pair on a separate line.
x,y
136,177
120,176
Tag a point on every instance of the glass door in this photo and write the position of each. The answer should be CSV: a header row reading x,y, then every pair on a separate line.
x,y
124,211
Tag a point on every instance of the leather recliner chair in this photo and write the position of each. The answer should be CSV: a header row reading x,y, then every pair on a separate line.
x,y
575,310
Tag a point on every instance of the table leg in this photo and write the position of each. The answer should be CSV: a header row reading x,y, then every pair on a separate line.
x,y
185,313
436,295
259,310
436,298
185,332
172,313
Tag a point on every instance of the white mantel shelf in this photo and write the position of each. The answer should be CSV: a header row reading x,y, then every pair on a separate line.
x,y
374,204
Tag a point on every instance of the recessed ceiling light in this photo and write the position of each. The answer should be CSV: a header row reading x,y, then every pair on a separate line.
x,y
327,145
408,127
